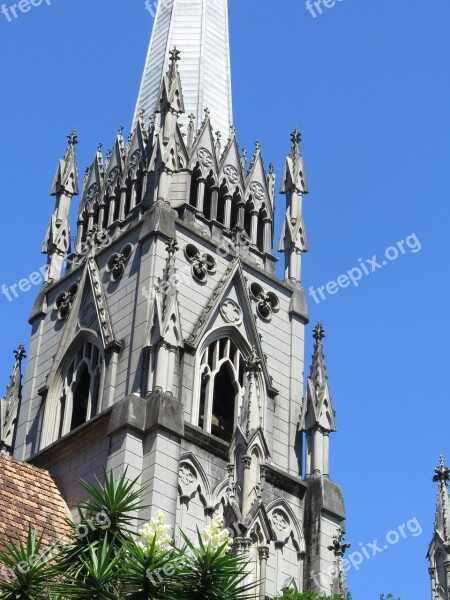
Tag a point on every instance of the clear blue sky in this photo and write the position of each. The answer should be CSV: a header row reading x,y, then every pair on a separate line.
x,y
368,83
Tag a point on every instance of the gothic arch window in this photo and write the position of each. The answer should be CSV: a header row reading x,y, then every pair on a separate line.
x,y
128,192
81,389
221,382
210,183
195,180
223,192
249,209
235,210
262,217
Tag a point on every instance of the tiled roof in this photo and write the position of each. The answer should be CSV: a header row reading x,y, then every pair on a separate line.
x,y
29,497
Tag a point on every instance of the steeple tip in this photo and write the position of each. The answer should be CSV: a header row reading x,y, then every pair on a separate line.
x,y
319,332
442,473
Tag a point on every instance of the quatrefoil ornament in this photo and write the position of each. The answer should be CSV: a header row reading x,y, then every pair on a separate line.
x,y
117,262
64,302
202,264
266,302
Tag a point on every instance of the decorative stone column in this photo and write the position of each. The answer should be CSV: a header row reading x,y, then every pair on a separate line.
x,y
267,236
318,451
432,573
254,227
201,194
247,463
326,453
231,484
308,454
227,211
263,558
214,203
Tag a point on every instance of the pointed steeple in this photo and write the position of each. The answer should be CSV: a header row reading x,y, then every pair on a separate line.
x,y
65,186
92,192
317,418
10,404
442,523
199,28
293,241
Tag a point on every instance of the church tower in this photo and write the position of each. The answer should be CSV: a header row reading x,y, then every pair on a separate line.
x,y
167,346
439,550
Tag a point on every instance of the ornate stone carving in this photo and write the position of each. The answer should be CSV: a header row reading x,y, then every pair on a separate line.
x,y
65,300
232,174
231,311
257,191
266,302
202,264
113,176
187,475
116,262
135,157
280,521
205,157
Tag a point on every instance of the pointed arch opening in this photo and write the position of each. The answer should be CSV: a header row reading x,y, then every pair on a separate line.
x,y
80,400
224,403
195,184
219,387
81,389
210,183
223,193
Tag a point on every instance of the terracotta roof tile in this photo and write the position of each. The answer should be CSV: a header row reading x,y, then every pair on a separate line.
x,y
30,497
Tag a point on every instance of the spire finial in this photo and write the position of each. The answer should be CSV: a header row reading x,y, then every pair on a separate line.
x,y
296,136
174,55
207,112
319,332
120,132
171,246
253,362
99,147
339,548
20,353
73,138
442,472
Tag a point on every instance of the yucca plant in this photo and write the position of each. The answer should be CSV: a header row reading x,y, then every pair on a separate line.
x,y
212,573
31,570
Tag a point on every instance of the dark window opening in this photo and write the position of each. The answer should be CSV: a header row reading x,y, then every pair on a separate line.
x,y
193,197
80,401
224,399
128,197
221,205
204,387
234,213
208,198
260,240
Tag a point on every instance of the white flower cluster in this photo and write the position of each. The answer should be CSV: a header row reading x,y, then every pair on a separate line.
x,y
215,535
158,531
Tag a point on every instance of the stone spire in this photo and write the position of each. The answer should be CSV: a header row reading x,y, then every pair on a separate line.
x,y
339,548
199,29
317,418
10,404
442,524
65,186
293,241
250,417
